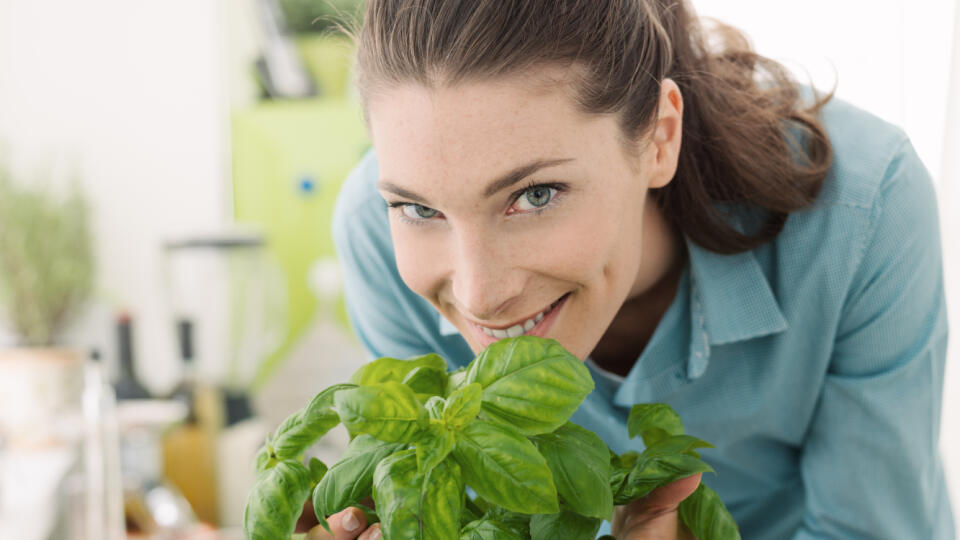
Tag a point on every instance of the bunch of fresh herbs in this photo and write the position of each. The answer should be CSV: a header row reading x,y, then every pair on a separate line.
x,y
500,426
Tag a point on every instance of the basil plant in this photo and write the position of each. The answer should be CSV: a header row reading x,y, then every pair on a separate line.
x,y
420,436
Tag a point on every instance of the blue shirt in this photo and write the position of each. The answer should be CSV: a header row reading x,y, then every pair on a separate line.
x,y
813,363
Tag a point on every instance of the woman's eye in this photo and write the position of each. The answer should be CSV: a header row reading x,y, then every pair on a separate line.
x,y
535,197
418,212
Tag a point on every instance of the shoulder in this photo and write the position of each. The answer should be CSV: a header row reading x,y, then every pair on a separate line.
x,y
864,148
877,200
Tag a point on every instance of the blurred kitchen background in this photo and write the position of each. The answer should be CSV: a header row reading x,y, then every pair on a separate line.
x,y
167,175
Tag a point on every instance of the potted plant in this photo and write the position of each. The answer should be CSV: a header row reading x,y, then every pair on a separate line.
x,y
46,275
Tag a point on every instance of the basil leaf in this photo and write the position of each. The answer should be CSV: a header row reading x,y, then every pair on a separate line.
x,y
705,515
462,406
650,473
433,446
531,384
301,429
455,380
418,506
580,463
505,468
470,513
318,470
620,467
395,369
486,529
515,521
426,381
676,444
564,524
653,422
435,406
389,411
275,502
351,479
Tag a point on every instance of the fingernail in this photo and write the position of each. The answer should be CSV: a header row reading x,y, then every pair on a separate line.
x,y
375,535
349,522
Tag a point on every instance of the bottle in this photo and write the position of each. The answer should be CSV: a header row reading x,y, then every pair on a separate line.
x,y
103,489
127,386
189,450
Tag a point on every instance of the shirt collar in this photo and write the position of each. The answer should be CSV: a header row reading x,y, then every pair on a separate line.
x,y
733,297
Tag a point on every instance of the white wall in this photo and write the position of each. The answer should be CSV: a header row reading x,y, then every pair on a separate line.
x,y
892,58
132,95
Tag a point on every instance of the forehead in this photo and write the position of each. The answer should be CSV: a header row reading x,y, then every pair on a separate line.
x,y
473,129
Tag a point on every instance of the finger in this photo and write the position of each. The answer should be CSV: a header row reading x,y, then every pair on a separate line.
x,y
373,533
658,502
345,525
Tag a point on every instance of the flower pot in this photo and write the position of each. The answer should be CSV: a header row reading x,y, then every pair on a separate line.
x,y
40,392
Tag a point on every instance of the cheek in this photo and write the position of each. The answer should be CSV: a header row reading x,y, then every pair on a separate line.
x,y
420,259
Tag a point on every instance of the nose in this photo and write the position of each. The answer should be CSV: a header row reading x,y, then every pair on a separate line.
x,y
485,281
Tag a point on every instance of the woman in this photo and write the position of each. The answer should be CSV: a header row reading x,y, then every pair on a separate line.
x,y
685,218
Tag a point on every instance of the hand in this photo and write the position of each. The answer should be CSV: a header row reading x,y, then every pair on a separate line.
x,y
655,516
346,525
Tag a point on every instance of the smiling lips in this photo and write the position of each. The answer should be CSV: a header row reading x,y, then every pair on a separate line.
x,y
519,329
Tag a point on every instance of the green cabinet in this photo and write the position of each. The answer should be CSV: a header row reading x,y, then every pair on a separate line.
x,y
289,160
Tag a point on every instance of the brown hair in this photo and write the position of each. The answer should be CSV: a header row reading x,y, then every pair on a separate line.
x,y
742,112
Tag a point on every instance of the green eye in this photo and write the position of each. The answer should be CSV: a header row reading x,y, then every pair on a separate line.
x,y
536,197
417,211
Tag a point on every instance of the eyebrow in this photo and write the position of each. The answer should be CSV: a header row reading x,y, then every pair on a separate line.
x,y
503,182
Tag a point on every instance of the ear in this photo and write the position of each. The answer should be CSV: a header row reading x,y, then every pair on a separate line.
x,y
667,135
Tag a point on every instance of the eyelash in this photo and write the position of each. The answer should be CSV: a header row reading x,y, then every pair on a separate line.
x,y
559,186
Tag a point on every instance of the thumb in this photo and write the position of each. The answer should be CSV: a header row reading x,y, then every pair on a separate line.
x,y
661,501
344,525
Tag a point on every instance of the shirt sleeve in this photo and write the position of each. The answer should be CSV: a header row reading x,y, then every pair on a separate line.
x,y
870,462
388,319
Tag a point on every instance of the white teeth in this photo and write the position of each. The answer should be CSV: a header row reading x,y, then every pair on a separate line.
x,y
517,329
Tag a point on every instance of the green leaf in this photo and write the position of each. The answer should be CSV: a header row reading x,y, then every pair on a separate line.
x,y
505,468
351,479
515,521
486,529
462,406
426,381
705,515
529,383
276,501
650,473
564,524
389,411
435,406
303,428
455,380
433,446
470,513
620,467
653,422
418,506
580,463
677,444
394,369
318,470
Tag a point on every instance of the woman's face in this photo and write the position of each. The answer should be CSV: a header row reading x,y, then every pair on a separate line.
x,y
513,212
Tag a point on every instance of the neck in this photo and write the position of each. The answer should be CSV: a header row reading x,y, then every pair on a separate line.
x,y
664,255
650,297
